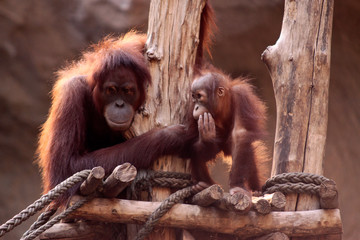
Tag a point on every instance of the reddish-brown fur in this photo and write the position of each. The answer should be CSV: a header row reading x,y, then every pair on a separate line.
x,y
240,123
244,110
76,136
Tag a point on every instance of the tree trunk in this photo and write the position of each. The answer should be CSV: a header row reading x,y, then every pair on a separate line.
x,y
173,37
299,65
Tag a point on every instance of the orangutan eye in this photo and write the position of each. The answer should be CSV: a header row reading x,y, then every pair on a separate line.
x,y
196,96
111,90
129,91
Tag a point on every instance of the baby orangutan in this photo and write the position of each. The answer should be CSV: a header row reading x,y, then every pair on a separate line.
x,y
230,118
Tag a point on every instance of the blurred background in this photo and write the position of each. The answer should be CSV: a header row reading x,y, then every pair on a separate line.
x,y
37,37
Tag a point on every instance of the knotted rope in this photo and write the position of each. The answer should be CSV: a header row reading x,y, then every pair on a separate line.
x,y
295,182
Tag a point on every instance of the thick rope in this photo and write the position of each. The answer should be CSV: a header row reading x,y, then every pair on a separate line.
x,y
165,206
33,234
305,188
146,179
43,201
163,174
163,179
173,182
295,177
42,219
295,182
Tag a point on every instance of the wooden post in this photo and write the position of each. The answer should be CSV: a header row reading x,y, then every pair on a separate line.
x,y
299,65
173,37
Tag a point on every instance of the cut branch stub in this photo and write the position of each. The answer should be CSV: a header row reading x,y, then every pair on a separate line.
x,y
93,181
239,202
119,179
328,195
208,196
261,205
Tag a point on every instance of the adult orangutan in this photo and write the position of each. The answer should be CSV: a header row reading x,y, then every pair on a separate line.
x,y
93,103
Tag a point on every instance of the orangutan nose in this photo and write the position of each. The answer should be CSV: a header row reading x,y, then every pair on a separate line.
x,y
119,103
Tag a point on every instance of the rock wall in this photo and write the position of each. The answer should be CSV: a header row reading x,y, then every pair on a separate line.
x,y
37,37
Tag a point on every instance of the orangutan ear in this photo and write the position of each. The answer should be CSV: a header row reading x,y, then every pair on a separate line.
x,y
221,91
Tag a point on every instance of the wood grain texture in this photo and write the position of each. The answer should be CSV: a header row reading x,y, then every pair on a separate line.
x,y
299,223
173,37
299,65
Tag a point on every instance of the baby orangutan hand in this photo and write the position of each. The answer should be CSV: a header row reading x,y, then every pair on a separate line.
x,y
207,129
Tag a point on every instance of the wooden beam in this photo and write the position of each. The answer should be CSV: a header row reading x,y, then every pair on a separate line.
x,y
274,236
78,231
300,223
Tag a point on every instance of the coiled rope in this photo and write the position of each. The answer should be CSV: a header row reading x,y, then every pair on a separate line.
x,y
295,182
